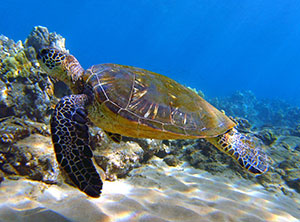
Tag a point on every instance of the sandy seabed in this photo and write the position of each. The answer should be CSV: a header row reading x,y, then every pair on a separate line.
x,y
152,193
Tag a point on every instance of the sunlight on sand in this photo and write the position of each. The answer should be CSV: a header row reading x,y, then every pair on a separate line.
x,y
159,193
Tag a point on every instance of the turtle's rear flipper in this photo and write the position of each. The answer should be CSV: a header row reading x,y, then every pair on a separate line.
x,y
245,150
70,137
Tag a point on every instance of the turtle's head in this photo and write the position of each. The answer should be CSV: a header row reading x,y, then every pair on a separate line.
x,y
61,66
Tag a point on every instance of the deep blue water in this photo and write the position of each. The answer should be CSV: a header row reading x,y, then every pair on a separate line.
x,y
214,45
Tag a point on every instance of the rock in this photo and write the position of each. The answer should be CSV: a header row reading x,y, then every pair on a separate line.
x,y
24,91
292,174
259,113
296,131
287,192
14,61
117,160
13,129
243,125
40,38
267,136
161,153
32,157
171,160
269,178
1,174
295,184
6,108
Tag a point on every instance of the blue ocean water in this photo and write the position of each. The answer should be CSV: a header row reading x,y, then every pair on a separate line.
x,y
213,45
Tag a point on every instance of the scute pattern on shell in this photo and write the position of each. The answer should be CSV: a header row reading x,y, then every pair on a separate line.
x,y
148,99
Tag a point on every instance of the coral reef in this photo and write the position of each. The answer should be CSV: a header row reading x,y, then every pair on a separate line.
x,y
25,92
12,129
117,160
260,112
40,38
13,59
26,150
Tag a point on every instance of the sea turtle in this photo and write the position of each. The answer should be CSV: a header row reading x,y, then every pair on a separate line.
x,y
134,102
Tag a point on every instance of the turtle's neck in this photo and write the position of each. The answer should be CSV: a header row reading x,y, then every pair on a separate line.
x,y
74,74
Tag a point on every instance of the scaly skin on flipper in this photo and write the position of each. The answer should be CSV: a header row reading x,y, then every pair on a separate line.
x,y
245,150
138,103
70,137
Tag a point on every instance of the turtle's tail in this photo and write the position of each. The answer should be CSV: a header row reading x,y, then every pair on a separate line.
x,y
245,150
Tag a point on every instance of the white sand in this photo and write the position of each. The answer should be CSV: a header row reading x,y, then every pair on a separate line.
x,y
153,193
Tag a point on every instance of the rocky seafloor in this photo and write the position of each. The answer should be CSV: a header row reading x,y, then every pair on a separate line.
x,y
146,179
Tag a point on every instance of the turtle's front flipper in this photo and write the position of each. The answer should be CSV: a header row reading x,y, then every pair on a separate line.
x,y
70,137
245,150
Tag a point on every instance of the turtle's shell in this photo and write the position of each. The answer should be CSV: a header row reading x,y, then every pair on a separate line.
x,y
139,103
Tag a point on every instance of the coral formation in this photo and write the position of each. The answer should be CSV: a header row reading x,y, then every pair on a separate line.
x,y
117,160
22,152
40,38
260,112
14,61
24,93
